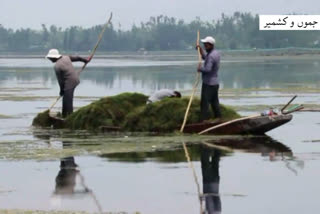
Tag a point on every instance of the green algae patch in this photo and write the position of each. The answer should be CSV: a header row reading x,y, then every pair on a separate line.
x,y
5,116
61,143
168,114
43,119
108,111
129,112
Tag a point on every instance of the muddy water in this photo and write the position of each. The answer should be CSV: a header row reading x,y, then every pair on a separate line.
x,y
149,174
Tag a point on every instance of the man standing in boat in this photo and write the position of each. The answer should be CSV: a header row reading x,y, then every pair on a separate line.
x,y
210,82
67,77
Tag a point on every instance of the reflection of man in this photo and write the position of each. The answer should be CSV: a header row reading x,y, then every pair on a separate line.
x,y
67,76
210,83
210,176
161,94
66,178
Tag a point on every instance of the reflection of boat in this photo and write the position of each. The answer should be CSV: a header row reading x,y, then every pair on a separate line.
x,y
263,145
210,159
257,125
259,144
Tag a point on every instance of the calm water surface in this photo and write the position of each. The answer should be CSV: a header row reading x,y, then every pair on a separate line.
x,y
274,174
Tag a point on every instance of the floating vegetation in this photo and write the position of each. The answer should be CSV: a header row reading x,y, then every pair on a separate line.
x,y
59,144
14,98
129,112
108,111
42,120
5,116
167,115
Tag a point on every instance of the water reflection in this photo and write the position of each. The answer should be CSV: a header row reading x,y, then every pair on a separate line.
x,y
66,178
66,184
242,74
175,155
264,145
175,187
210,159
210,153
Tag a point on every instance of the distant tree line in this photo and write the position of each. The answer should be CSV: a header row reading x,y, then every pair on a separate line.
x,y
238,31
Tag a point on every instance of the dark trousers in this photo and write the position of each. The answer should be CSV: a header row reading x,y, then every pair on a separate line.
x,y
67,102
209,95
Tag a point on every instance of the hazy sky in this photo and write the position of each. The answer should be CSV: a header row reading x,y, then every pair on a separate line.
x,y
63,13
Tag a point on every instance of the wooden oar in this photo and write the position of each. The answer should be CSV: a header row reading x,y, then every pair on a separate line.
x,y
195,85
227,123
99,40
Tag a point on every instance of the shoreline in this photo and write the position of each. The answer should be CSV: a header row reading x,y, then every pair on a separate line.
x,y
297,53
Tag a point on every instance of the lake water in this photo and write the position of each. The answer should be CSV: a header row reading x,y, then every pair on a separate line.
x,y
149,174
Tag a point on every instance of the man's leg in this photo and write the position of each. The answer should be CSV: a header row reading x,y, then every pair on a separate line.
x,y
204,102
67,102
215,104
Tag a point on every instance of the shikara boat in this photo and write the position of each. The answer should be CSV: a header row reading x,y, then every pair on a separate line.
x,y
255,125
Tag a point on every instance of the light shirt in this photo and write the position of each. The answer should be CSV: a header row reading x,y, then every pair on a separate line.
x,y
210,68
159,95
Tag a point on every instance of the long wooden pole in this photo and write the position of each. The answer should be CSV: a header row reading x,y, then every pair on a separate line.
x,y
55,102
99,40
194,87
91,55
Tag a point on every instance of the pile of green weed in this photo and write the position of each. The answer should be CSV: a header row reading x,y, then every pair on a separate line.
x,y
168,114
42,120
108,111
130,112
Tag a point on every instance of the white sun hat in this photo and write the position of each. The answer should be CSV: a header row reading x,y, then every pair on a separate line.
x,y
53,53
209,39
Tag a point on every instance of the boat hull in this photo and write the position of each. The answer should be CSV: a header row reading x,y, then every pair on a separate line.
x,y
257,126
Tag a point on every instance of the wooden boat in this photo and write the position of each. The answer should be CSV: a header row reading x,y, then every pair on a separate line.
x,y
257,125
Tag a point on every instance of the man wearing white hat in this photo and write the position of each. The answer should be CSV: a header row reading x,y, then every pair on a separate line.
x,y
210,82
67,77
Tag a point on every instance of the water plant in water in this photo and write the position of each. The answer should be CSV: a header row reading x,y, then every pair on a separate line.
x,y
129,112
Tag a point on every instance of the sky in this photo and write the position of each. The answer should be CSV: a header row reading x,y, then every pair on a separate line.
x,y
64,13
